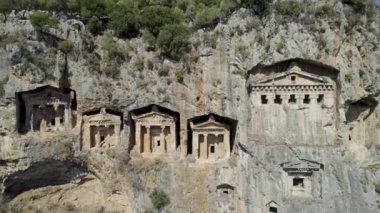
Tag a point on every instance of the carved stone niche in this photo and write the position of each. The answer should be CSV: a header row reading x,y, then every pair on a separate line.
x,y
101,128
226,200
155,131
302,178
225,191
45,109
272,207
210,138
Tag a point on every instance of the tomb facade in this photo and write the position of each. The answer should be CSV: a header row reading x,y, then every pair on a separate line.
x,y
272,207
293,102
226,200
302,178
210,140
45,109
155,132
101,128
225,190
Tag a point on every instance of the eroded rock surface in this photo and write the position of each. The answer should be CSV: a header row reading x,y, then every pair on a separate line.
x,y
50,172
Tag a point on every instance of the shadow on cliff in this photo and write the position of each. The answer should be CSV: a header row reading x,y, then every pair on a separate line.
x,y
361,108
41,174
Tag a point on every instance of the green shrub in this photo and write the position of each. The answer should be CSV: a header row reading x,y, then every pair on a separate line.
x,y
149,38
353,21
6,7
242,50
174,40
94,25
112,48
210,40
139,64
207,17
359,6
280,46
159,198
260,7
65,46
41,21
289,8
348,78
363,7
123,20
254,24
377,187
2,88
149,210
154,18
180,76
326,10
163,71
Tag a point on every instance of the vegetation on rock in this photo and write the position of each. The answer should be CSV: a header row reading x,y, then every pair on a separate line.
x,y
156,20
41,21
159,198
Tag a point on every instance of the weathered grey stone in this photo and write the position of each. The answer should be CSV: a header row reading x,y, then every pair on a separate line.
x,y
216,83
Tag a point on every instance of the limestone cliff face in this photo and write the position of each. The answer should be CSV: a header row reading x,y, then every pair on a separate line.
x,y
50,173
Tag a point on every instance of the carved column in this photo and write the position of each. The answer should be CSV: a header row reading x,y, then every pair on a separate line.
x,y
173,136
149,147
271,98
196,145
97,137
43,119
204,147
138,146
67,117
285,99
313,99
162,140
226,142
300,98
31,119
56,118
329,100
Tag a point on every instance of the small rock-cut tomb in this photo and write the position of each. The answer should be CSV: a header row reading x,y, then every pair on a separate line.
x,y
45,109
225,190
301,179
210,139
155,132
101,128
272,207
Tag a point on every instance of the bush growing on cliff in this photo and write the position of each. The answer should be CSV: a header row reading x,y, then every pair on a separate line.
x,y
123,20
207,16
159,198
174,40
154,18
41,21
6,7
290,9
65,46
260,7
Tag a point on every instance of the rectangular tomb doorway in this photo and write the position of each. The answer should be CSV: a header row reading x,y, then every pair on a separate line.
x,y
93,133
155,133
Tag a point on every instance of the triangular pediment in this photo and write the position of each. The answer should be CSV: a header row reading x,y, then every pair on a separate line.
x,y
301,165
48,93
294,75
210,124
272,203
156,115
104,116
